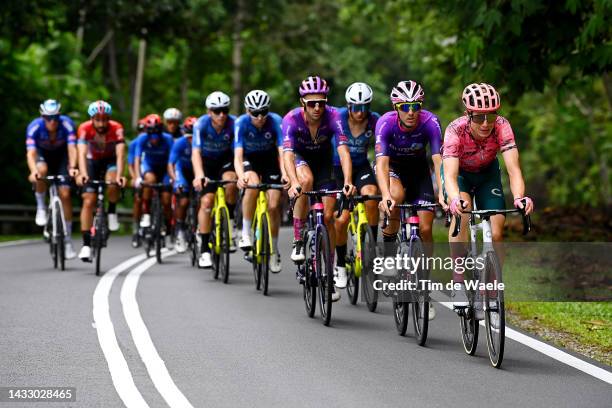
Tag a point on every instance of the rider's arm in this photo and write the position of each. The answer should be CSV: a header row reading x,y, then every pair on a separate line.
x,y
173,159
196,161
31,157
72,156
517,184
281,164
346,163
382,174
82,157
451,171
120,153
289,161
238,165
437,161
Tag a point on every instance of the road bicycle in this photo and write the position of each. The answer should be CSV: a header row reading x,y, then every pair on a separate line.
x,y
99,228
361,247
155,235
221,232
262,249
55,230
411,247
488,302
191,226
317,270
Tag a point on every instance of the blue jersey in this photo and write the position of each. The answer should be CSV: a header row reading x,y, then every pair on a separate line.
x,y
213,145
154,155
267,139
358,144
37,136
132,150
180,155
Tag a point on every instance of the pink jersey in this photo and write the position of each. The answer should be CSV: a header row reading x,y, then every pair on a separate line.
x,y
475,155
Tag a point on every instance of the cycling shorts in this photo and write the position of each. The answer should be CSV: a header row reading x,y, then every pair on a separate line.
x,y
485,186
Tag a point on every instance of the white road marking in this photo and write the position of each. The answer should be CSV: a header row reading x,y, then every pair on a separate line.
x,y
545,348
20,242
117,365
155,365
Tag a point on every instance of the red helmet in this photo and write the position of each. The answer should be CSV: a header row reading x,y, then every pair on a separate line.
x,y
481,97
188,124
153,122
141,124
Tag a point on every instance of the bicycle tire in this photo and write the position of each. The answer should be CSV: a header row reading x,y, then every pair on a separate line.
x,y
495,336
97,243
368,253
254,254
225,244
401,307
60,237
309,287
420,306
352,285
325,274
212,243
157,224
265,254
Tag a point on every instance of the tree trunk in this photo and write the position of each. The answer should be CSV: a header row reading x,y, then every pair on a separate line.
x,y
237,56
142,48
99,47
80,30
608,87
112,62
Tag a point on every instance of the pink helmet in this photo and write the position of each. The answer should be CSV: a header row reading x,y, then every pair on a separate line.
x,y
313,85
407,91
481,97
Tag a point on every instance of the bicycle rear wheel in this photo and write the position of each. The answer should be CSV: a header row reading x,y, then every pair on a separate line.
x,y
401,305
310,282
96,241
352,285
253,253
225,244
368,253
213,246
495,316
157,225
420,305
325,274
265,254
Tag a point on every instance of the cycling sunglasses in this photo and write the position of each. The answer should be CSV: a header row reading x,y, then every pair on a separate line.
x,y
406,106
218,111
51,118
359,107
312,103
479,118
260,112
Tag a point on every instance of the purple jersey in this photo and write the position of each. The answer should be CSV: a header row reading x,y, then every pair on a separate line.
x,y
398,144
296,135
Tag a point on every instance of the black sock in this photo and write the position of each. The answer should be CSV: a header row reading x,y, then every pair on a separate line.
x,y
204,246
179,225
86,238
112,208
374,229
341,251
389,244
231,208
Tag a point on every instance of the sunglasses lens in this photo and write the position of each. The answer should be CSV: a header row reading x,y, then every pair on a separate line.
x,y
261,112
360,108
405,107
314,102
51,118
218,111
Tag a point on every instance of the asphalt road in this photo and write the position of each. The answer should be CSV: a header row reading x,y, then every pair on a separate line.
x,y
208,344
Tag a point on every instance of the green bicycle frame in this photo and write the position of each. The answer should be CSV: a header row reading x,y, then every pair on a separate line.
x,y
220,205
260,210
358,219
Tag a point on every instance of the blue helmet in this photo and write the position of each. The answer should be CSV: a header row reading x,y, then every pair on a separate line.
x,y
99,108
50,107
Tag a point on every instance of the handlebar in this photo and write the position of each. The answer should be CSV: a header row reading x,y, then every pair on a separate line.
x,y
486,214
414,207
348,202
265,186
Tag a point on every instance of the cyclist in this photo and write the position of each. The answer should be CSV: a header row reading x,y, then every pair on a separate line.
x,y
51,149
307,155
181,171
151,166
471,168
136,208
360,124
212,158
402,169
101,154
257,152
172,122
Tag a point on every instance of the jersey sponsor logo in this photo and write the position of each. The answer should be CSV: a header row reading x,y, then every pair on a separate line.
x,y
369,134
365,176
496,191
268,135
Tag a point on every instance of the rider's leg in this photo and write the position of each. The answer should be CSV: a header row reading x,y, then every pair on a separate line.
x,y
371,207
89,203
64,194
204,219
300,210
148,178
231,192
249,202
426,219
113,191
341,225
458,244
274,209
40,188
136,209
166,199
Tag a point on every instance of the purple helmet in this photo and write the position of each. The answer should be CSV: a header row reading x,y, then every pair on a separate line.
x,y
313,85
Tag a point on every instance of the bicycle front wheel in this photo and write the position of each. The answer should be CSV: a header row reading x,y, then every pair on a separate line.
x,y
368,253
495,316
157,213
310,282
324,273
97,244
352,285
225,245
420,305
401,305
265,253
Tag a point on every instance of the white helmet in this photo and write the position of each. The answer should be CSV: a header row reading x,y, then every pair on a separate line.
x,y
173,114
217,99
407,91
256,100
50,107
359,93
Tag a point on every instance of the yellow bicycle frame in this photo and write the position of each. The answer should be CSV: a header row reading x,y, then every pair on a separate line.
x,y
260,210
219,205
357,219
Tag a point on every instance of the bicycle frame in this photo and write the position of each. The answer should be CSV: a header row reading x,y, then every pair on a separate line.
x,y
357,220
54,199
219,205
260,210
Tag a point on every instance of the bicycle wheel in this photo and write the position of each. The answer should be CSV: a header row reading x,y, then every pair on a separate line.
x,y
368,253
469,327
352,285
157,225
254,253
60,239
495,316
266,252
97,241
310,288
401,306
420,305
213,246
325,274
225,244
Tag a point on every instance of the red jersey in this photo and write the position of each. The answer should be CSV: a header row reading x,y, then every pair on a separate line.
x,y
475,155
100,146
